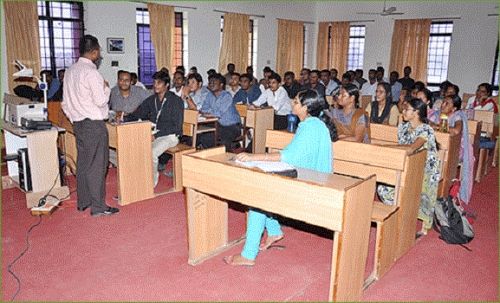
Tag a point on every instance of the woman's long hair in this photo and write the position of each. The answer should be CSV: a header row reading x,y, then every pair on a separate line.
x,y
316,107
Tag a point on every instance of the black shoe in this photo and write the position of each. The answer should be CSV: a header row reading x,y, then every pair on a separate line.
x,y
107,212
82,208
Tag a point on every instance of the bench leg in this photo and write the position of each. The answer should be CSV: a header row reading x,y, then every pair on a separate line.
x,y
385,249
177,168
481,163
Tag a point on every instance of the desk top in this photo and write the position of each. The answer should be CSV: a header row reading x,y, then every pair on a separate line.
x,y
335,181
20,132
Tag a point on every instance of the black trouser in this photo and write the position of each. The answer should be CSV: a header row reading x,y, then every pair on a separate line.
x,y
92,162
228,134
280,122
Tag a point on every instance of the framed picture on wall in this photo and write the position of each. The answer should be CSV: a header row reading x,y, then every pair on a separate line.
x,y
115,45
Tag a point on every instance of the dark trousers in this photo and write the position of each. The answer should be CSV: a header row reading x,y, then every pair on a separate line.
x,y
92,162
228,134
280,122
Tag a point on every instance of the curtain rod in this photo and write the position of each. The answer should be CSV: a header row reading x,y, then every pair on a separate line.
x,y
221,11
441,18
178,6
352,21
305,22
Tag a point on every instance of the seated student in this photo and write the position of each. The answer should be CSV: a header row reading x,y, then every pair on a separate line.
x,y
404,96
330,85
482,100
52,84
426,96
126,98
333,75
314,83
231,68
178,83
250,72
220,104
458,125
234,84
277,97
351,122
248,93
370,87
450,90
416,133
359,78
418,86
396,86
382,110
291,86
136,82
304,76
311,148
166,111
194,92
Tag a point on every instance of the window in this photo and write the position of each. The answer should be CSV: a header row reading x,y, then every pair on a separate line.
x,y
356,51
494,80
252,41
146,52
60,28
304,56
438,52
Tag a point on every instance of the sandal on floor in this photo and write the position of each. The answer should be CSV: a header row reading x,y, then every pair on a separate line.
x,y
238,260
270,243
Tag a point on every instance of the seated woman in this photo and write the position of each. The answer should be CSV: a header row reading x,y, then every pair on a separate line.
x,y
351,122
482,100
426,96
382,110
457,125
277,97
417,135
311,148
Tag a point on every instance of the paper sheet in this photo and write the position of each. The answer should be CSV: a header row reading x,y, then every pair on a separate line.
x,y
267,166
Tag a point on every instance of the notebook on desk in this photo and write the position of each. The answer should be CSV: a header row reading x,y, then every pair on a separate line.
x,y
273,167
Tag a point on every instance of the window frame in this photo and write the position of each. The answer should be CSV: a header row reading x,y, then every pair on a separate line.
x,y
495,74
349,47
183,38
434,85
50,29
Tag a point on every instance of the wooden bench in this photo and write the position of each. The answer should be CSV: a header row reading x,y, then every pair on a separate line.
x,y
190,129
474,135
396,225
490,130
259,120
449,148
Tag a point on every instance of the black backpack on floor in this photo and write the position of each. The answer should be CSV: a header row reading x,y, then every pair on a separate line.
x,y
450,222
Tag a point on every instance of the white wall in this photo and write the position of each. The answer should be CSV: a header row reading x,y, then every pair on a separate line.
x,y
471,59
474,35
117,19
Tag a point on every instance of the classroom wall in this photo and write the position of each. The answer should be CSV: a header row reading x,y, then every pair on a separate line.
x,y
117,19
471,58
474,37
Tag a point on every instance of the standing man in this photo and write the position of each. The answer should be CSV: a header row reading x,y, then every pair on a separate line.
x,y
85,102
406,81
396,86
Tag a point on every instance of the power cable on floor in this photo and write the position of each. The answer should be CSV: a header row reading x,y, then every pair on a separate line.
x,y
9,267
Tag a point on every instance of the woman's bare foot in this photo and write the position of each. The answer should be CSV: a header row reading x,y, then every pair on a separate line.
x,y
270,241
238,260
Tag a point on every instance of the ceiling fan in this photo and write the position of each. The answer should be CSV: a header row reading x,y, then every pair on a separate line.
x,y
386,11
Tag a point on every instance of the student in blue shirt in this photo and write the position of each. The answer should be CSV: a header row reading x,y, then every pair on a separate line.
x,y
248,92
311,148
219,103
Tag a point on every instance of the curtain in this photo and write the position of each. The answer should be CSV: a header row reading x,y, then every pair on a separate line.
x,y
290,48
22,38
410,41
322,55
234,48
162,26
339,46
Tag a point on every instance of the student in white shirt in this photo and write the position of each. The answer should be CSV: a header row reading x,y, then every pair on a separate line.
x,y
370,87
234,84
178,83
277,97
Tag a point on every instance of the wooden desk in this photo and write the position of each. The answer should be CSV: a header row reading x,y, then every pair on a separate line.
x,y
43,160
338,203
132,142
391,166
260,120
449,148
